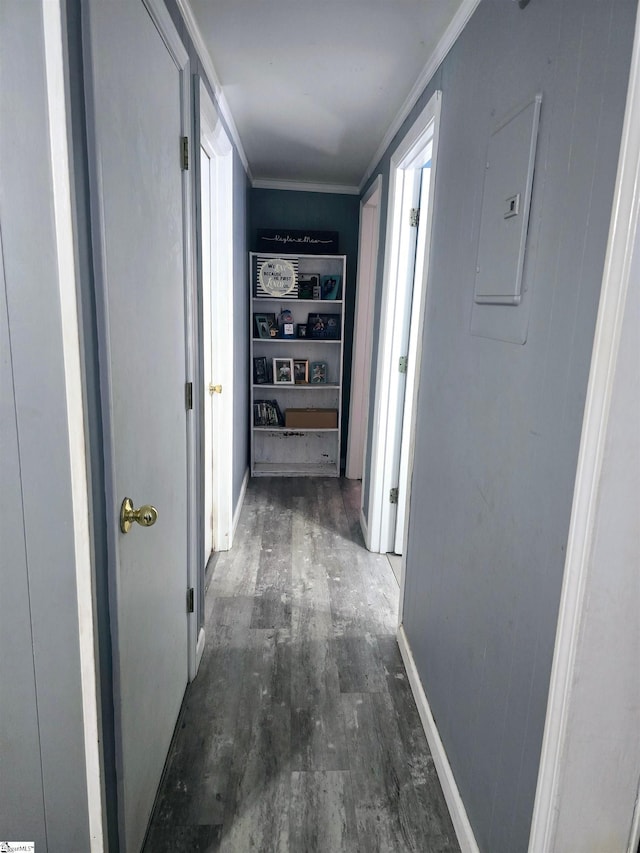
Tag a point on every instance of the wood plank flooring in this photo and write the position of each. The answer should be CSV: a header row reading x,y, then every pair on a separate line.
x,y
300,733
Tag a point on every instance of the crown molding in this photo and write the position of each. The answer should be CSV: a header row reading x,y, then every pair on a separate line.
x,y
304,186
195,32
448,39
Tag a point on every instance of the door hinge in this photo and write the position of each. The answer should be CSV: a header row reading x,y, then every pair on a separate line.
x,y
414,217
190,600
404,361
185,152
393,496
188,395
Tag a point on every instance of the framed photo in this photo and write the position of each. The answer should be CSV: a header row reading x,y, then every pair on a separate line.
x,y
283,371
261,324
285,324
306,284
300,371
301,330
331,286
324,326
318,372
260,371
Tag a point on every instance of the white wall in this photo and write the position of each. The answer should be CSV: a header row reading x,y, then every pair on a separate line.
x,y
601,757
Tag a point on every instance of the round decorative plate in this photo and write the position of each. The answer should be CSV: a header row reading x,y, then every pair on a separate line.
x,y
277,277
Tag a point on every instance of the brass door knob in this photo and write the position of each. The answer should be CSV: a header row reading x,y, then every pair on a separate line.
x,y
146,516
215,389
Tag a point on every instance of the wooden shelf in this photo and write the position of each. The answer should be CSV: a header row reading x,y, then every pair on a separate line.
x,y
299,386
297,340
294,429
294,469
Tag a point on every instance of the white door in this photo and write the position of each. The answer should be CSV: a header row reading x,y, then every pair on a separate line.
x,y
216,240
135,127
210,504
413,355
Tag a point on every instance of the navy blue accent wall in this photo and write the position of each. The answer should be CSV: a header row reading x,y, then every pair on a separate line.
x,y
321,212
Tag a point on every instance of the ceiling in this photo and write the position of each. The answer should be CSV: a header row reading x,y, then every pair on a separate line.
x,y
314,86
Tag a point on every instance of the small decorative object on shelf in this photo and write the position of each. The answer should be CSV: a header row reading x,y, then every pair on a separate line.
x,y
301,330
283,371
285,324
267,413
261,370
330,287
306,284
324,326
261,324
301,371
277,277
318,372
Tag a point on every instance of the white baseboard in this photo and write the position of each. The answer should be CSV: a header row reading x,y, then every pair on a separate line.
x,y
364,527
464,832
238,510
199,648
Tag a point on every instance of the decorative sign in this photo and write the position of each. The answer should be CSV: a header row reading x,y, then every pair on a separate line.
x,y
291,241
277,277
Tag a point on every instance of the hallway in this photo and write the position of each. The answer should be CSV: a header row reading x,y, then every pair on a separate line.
x,y
300,732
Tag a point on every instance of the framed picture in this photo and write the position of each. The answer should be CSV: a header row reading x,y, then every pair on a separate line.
x,y
301,330
318,372
260,371
300,371
285,324
283,371
261,324
306,284
330,286
324,326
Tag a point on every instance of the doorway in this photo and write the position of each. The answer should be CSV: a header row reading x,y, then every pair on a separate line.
x,y
216,241
368,241
386,496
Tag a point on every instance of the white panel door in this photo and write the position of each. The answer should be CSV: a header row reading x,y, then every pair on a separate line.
x,y
136,123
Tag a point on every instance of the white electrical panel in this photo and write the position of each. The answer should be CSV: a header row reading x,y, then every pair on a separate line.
x,y
506,201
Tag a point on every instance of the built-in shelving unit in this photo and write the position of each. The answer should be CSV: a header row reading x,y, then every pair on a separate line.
x,y
288,451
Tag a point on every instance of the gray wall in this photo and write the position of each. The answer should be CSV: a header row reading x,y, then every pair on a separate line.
x,y
42,757
321,212
499,424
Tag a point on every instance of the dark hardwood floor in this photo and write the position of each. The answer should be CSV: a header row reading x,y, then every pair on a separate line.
x,y
300,732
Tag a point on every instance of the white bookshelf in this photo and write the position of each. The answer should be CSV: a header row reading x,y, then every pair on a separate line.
x,y
297,452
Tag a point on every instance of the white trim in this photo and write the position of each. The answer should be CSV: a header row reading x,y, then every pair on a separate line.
x,y
461,824
216,143
193,28
168,33
363,524
447,40
304,187
622,236
383,432
634,835
239,505
79,514
200,648
368,244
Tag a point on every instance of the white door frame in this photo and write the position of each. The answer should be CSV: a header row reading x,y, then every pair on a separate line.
x,y
386,436
215,141
162,19
368,241
576,587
